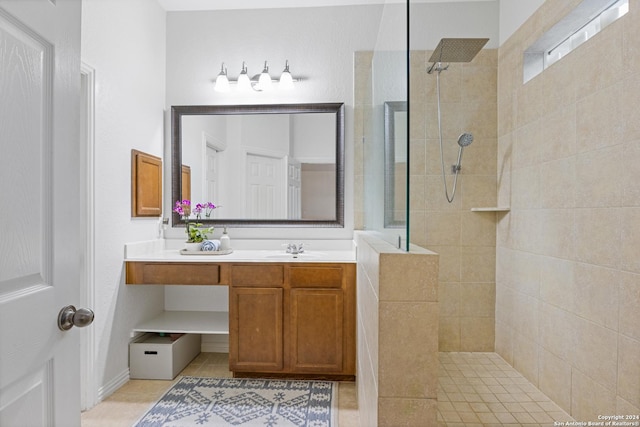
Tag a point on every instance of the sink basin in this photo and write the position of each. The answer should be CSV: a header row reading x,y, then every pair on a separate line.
x,y
302,256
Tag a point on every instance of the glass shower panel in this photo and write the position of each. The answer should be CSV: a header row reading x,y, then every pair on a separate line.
x,y
386,130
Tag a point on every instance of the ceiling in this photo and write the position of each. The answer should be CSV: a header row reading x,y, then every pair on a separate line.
x,y
177,5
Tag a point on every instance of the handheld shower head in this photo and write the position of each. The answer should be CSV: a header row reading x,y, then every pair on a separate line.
x,y
465,139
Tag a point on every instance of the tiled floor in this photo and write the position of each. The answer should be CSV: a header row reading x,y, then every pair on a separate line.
x,y
481,389
476,389
131,401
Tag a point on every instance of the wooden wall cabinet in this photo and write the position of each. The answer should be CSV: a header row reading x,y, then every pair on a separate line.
x,y
146,184
292,319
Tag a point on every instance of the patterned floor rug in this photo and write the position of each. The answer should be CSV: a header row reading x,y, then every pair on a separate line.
x,y
245,402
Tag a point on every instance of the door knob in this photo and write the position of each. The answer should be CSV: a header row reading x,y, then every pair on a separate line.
x,y
70,317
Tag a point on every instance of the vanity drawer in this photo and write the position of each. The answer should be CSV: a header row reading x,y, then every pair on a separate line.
x,y
316,277
173,273
257,275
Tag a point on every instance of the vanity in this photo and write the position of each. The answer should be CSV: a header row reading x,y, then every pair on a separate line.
x,y
288,315
270,167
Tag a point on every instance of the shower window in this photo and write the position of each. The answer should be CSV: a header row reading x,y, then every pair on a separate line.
x,y
584,22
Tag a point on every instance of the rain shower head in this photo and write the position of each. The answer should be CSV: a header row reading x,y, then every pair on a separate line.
x,y
454,50
457,50
465,140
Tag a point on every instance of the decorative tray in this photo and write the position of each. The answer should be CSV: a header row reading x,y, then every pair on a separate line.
x,y
186,252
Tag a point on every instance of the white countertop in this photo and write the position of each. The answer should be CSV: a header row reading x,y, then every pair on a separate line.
x,y
243,251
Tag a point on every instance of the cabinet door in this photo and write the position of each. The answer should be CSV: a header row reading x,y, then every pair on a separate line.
x,y
317,330
255,329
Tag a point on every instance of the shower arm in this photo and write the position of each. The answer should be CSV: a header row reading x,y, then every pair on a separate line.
x,y
437,66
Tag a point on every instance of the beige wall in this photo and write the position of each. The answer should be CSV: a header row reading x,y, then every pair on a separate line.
x,y
568,264
464,240
397,334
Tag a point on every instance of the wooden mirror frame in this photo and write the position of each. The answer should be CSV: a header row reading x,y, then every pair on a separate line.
x,y
177,112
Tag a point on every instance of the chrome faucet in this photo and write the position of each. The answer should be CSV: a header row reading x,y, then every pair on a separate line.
x,y
294,249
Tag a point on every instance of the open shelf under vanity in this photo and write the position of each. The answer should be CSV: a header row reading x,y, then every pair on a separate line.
x,y
187,322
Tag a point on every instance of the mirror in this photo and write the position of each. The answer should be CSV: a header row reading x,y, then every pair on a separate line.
x,y
264,165
395,159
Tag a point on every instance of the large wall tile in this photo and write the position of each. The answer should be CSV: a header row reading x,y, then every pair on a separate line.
x,y
590,399
406,342
593,353
525,357
629,370
558,331
598,236
597,181
477,300
558,182
478,264
556,282
477,334
629,320
631,241
599,119
555,379
596,294
407,412
449,333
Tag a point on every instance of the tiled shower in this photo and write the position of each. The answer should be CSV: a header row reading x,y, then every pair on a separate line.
x,y
553,284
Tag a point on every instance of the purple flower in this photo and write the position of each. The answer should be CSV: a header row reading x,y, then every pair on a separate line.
x,y
183,208
198,210
209,207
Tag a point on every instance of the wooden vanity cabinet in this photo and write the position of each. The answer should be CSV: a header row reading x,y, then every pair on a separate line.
x,y
255,329
299,323
285,319
256,301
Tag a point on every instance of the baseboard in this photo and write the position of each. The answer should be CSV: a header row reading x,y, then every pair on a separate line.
x,y
109,388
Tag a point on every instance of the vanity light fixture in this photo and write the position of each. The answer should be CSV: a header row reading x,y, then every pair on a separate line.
x,y
264,81
244,83
286,80
222,82
260,82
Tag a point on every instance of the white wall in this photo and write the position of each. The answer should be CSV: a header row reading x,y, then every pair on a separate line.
x,y
124,42
319,44
432,21
513,14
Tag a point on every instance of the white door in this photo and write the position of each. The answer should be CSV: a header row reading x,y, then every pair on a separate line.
x,y
211,176
294,184
39,211
265,188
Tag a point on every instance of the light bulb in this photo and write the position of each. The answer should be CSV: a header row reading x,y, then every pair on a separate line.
x,y
244,83
264,82
286,81
222,82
